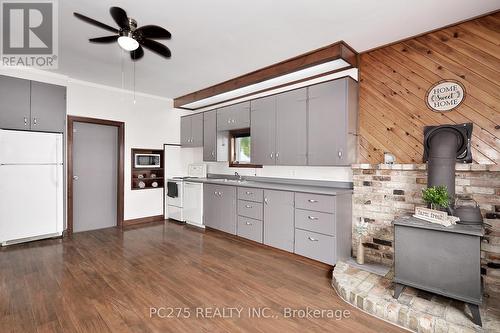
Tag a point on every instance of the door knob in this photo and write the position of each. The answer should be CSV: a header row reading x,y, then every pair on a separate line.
x,y
75,178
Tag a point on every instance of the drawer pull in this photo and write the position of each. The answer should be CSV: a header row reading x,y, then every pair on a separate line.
x,y
248,192
312,200
248,206
312,239
314,218
248,223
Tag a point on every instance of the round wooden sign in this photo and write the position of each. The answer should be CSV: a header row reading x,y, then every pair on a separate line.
x,y
445,95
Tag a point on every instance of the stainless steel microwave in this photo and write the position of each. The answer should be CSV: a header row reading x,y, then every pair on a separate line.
x,y
147,161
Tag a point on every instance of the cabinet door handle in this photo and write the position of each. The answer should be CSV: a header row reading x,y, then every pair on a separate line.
x,y
271,155
248,206
25,121
221,193
314,218
277,155
215,192
312,201
34,121
248,223
266,201
248,192
340,154
213,154
312,239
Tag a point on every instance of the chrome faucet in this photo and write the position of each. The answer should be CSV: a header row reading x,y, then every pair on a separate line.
x,y
236,174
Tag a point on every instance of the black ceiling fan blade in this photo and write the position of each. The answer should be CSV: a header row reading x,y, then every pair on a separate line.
x,y
153,31
96,23
137,54
107,39
156,47
120,17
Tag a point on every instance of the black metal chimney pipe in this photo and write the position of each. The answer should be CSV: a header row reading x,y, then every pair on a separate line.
x,y
444,146
441,164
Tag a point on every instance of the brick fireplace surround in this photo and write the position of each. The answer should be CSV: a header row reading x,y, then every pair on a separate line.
x,y
383,192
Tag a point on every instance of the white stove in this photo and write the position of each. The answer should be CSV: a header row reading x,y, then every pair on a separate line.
x,y
187,204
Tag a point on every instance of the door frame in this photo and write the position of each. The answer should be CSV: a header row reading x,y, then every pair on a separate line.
x,y
121,166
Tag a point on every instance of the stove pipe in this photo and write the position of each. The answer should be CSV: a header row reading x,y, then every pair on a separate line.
x,y
444,146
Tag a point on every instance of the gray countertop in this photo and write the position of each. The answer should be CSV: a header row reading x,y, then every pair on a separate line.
x,y
275,186
410,221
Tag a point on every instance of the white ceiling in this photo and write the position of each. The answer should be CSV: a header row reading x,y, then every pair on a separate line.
x,y
216,40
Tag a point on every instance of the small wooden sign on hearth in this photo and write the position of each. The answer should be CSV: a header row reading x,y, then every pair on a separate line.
x,y
431,215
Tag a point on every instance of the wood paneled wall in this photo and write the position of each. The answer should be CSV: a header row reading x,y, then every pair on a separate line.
x,y
394,80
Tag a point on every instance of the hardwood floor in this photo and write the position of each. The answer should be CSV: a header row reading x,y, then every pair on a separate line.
x,y
107,281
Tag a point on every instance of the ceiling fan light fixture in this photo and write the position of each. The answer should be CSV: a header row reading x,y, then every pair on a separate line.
x,y
128,43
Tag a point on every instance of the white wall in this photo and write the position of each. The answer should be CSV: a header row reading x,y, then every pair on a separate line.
x,y
297,172
149,123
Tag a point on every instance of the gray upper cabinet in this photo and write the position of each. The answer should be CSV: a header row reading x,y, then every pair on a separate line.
x,y
48,107
279,219
192,130
197,130
210,136
31,105
291,127
215,144
332,122
233,117
185,131
219,207
263,130
14,103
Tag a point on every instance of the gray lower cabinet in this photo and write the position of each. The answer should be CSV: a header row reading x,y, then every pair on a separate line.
x,y
315,246
323,226
31,105
250,209
279,219
250,228
291,127
48,107
282,219
332,122
219,207
263,130
192,130
14,103
233,117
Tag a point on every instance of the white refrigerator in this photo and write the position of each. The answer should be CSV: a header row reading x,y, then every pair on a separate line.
x,y
31,186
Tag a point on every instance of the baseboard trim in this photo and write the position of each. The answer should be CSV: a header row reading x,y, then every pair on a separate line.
x,y
142,220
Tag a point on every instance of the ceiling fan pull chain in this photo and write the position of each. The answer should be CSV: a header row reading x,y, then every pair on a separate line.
x,y
134,81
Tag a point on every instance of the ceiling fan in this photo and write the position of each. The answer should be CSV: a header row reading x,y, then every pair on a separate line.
x,y
129,37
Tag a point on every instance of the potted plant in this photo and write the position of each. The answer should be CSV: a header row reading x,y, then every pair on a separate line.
x,y
436,197
361,230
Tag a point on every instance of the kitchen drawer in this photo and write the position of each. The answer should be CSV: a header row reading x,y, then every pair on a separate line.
x,y
323,223
250,209
250,229
250,194
317,202
315,246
